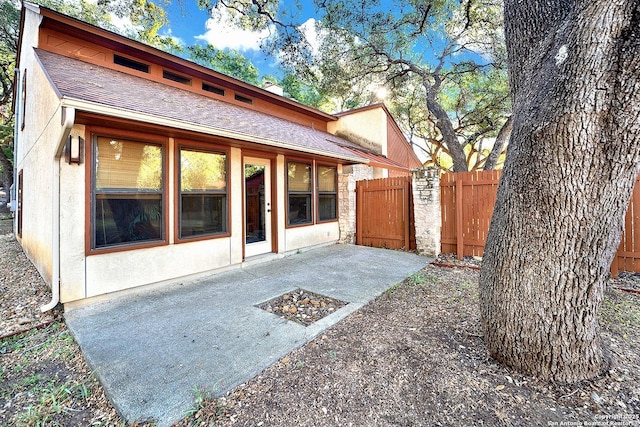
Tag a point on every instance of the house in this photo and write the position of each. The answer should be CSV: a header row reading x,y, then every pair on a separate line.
x,y
136,167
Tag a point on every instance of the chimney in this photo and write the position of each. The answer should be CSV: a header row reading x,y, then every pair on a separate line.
x,y
273,88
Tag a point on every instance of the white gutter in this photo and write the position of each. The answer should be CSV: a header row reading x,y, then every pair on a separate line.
x,y
68,118
13,199
97,108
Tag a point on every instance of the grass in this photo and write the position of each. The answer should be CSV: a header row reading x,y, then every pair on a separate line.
x,y
39,383
622,314
203,399
416,279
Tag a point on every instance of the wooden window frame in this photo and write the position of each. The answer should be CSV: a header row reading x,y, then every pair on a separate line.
x,y
311,163
93,134
19,201
321,193
23,101
205,148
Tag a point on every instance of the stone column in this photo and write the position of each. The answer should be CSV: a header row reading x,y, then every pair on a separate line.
x,y
426,209
347,199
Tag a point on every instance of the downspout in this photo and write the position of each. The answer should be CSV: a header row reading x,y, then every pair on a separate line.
x,y
13,199
68,119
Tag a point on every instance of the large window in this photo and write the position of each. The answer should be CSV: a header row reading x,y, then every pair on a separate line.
x,y
203,193
128,187
299,192
327,193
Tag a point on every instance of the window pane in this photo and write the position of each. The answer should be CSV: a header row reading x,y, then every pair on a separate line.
x,y
299,209
201,171
327,178
299,176
203,214
127,219
326,207
124,164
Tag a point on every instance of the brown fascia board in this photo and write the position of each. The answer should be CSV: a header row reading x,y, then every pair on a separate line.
x,y
364,108
74,27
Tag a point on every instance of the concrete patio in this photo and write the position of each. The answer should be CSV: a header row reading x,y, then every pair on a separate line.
x,y
152,348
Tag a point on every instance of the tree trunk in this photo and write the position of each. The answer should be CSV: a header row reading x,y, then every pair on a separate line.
x,y
573,158
498,146
449,137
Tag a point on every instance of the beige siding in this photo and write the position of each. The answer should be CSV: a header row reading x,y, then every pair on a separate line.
x,y
36,149
367,128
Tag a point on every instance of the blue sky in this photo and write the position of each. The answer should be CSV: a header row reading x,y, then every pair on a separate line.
x,y
190,25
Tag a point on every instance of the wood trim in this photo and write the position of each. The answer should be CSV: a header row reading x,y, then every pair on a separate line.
x,y
68,40
197,145
94,132
317,189
274,205
306,160
273,167
20,201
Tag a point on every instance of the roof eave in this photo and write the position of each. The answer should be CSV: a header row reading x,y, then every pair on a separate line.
x,y
70,23
96,108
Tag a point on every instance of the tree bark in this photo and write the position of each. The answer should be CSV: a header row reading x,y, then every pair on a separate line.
x,y
498,146
444,125
573,158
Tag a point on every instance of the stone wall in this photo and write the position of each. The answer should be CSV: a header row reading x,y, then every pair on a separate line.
x,y
347,199
426,209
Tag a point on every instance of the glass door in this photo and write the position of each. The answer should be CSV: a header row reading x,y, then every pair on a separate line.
x,y
257,206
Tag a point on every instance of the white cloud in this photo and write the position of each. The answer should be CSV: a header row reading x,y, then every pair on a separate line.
x,y
308,28
123,24
222,33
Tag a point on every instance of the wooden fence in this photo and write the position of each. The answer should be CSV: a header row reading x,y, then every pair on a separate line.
x,y
466,203
628,256
464,231
384,213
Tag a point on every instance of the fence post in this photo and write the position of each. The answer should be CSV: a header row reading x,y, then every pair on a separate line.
x,y
359,201
406,215
459,217
427,213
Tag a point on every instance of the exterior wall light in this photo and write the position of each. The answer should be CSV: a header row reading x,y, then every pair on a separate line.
x,y
74,149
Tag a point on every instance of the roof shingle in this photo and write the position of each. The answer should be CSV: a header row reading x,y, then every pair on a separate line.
x,y
75,79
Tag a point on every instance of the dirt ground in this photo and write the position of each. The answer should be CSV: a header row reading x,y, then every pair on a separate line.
x,y
412,357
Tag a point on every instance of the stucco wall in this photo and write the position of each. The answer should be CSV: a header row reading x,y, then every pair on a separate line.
x,y
72,230
35,153
367,128
123,270
302,237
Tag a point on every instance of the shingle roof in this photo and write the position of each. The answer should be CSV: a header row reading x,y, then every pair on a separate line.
x,y
75,79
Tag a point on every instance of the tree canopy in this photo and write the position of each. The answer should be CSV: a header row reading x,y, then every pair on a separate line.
x,y
441,64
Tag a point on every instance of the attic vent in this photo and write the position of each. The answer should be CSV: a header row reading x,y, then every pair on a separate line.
x,y
176,77
244,99
130,63
212,89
